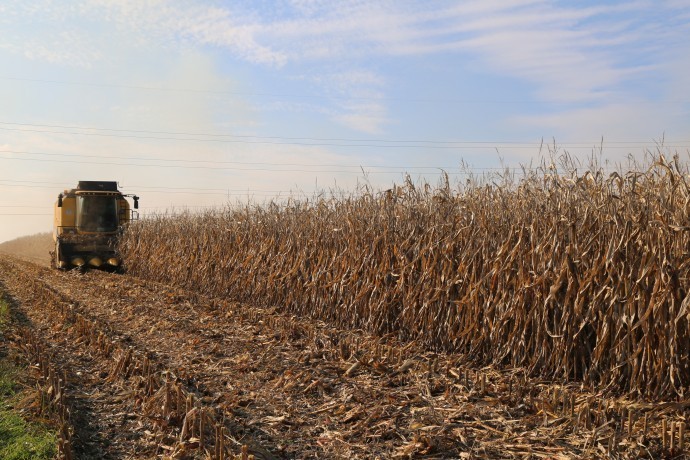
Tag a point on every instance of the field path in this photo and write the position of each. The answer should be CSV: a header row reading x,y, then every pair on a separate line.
x,y
282,387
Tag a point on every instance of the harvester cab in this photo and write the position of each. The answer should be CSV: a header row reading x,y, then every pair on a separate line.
x,y
88,221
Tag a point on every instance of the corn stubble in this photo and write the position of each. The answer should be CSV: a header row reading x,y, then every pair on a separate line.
x,y
579,276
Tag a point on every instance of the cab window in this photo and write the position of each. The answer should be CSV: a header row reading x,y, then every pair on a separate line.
x,y
97,213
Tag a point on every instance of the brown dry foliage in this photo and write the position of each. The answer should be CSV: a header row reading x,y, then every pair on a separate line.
x,y
572,276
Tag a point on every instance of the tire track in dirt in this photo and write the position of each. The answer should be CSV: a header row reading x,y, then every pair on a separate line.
x,y
285,383
97,413
138,410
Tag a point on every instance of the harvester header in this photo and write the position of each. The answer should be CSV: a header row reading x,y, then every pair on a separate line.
x,y
88,221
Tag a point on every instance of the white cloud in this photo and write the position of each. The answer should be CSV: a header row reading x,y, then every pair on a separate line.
x,y
566,52
539,32
174,23
679,4
64,50
357,97
368,119
583,128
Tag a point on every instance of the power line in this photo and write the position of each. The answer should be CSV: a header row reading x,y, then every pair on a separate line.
x,y
362,169
246,163
307,142
187,133
171,190
32,182
149,188
319,142
168,192
209,167
269,166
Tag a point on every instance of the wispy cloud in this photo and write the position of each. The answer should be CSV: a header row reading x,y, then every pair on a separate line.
x,y
175,23
566,53
357,97
562,50
367,118
679,4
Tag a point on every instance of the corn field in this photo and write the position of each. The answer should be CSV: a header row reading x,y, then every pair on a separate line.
x,y
571,275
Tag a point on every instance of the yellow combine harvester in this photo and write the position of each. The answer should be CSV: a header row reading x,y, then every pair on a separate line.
x,y
88,221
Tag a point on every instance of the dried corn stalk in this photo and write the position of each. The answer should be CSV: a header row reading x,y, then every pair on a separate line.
x,y
577,276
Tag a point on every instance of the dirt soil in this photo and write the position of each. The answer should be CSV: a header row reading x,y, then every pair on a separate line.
x,y
143,362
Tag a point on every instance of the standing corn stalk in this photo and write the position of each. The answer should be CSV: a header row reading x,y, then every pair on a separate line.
x,y
576,276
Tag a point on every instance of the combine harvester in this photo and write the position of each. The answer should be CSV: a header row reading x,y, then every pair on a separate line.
x,y
88,221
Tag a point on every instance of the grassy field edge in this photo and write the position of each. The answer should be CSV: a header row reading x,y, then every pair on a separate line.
x,y
22,434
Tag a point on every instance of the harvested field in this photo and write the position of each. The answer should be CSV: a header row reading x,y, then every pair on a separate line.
x,y
542,318
142,361
576,277
35,248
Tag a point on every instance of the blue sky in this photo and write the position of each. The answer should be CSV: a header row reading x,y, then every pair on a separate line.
x,y
200,103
